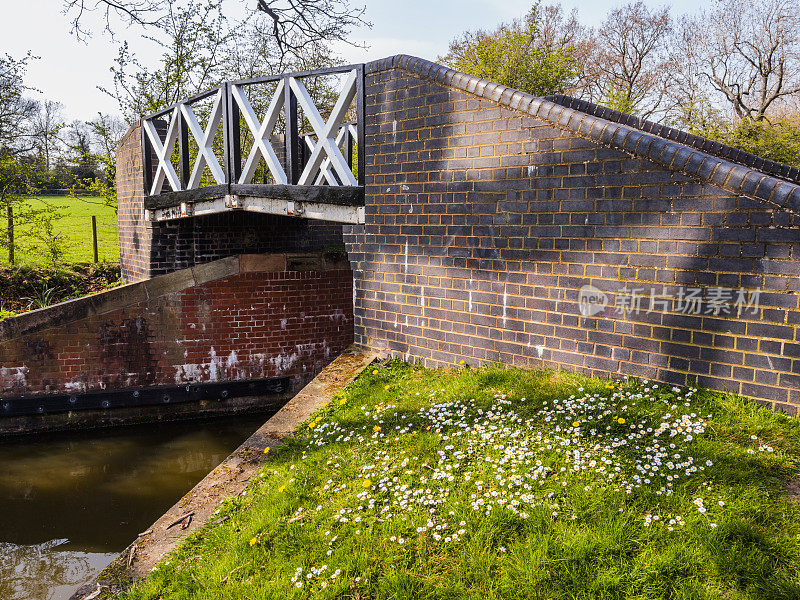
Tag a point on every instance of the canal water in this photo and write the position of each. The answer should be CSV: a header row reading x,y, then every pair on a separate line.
x,y
69,503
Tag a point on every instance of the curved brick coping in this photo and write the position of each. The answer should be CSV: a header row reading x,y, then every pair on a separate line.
x,y
718,149
127,295
731,176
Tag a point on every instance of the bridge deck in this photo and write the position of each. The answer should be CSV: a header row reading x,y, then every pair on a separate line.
x,y
310,145
343,204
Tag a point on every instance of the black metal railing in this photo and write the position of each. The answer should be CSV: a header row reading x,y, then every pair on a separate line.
x,y
292,142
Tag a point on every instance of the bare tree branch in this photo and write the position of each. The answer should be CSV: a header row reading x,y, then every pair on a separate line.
x,y
629,68
748,54
294,22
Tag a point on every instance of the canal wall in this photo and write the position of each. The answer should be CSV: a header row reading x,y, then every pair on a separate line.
x,y
183,344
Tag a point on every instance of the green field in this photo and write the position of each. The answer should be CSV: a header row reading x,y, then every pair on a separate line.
x,y
77,225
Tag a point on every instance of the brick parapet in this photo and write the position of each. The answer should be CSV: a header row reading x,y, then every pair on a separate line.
x,y
240,318
715,148
484,221
731,176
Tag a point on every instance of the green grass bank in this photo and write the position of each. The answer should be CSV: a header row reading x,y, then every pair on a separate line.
x,y
490,483
29,287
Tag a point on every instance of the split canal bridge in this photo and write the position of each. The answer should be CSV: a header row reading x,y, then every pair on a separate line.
x,y
265,225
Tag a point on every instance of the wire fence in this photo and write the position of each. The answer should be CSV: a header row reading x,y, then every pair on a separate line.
x,y
80,231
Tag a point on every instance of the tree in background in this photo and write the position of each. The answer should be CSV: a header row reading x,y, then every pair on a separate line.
x,y
730,72
192,40
16,108
739,82
19,174
538,54
19,169
623,64
107,132
201,47
748,54
629,68
47,124
293,24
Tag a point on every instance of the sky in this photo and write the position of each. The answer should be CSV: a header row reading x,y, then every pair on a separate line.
x,y
71,71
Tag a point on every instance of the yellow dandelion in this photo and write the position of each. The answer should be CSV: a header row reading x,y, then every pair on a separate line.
x,y
376,428
282,488
253,541
386,387
266,450
462,362
610,386
312,424
375,371
576,424
367,483
621,421
318,419
343,401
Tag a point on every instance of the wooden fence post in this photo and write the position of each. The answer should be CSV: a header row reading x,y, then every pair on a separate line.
x,y
10,235
94,237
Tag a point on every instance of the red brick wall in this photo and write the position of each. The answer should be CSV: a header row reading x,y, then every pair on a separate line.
x,y
251,323
135,237
482,224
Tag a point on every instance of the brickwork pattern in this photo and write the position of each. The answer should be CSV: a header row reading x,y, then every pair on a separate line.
x,y
242,326
149,249
183,243
483,223
135,236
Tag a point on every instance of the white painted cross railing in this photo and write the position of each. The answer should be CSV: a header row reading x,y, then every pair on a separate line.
x,y
323,157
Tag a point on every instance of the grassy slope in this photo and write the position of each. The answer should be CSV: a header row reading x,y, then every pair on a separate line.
x,y
77,224
562,524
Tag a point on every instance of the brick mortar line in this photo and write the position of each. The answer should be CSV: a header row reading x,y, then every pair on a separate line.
x,y
571,327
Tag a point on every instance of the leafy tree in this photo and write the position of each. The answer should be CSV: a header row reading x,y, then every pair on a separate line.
x,y
536,54
46,237
18,174
16,109
105,133
779,141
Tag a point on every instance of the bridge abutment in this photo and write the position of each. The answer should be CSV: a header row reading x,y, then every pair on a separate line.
x,y
240,333
150,248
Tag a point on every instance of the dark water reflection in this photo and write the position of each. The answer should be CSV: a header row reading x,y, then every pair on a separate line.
x,y
70,503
